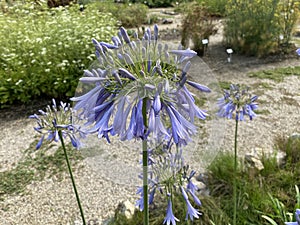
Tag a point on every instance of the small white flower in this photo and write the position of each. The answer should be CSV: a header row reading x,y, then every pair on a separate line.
x,y
47,70
19,81
281,37
39,40
33,61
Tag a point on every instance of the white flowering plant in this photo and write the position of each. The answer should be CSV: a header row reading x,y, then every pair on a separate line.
x,y
47,50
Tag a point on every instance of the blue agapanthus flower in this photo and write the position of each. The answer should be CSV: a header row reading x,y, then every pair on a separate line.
x,y
170,218
297,215
237,103
55,119
167,176
298,51
139,88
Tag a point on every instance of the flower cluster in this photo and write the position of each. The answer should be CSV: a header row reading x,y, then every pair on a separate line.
x,y
297,215
56,119
237,102
140,89
170,176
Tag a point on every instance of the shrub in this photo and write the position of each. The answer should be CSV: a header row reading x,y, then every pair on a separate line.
x,y
215,7
124,13
196,26
47,51
260,27
156,3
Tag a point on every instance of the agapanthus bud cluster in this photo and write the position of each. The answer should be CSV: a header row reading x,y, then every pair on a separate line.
x,y
55,119
237,103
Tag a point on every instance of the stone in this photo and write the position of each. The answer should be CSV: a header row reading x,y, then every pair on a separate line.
x,y
127,209
253,159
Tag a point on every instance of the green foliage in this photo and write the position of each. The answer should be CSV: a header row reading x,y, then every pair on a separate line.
x,y
278,74
35,166
196,26
47,51
280,210
291,146
215,7
124,13
156,3
260,27
253,188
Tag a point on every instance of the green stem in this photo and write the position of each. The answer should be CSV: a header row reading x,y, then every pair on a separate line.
x,y
71,175
235,173
145,166
145,182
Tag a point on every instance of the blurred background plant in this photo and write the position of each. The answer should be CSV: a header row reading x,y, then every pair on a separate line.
x,y
197,25
47,49
260,27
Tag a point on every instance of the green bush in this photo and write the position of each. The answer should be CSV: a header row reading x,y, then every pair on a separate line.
x,y
196,26
156,3
260,27
215,7
46,51
124,13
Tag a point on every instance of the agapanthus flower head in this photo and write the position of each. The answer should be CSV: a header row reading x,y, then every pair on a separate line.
x,y
297,215
168,173
298,51
55,119
237,103
140,89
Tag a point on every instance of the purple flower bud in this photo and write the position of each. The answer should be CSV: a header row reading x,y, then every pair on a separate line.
x,y
109,46
128,59
187,53
125,35
125,73
155,32
200,87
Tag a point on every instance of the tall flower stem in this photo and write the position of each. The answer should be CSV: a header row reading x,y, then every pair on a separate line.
x,y
71,175
145,166
235,173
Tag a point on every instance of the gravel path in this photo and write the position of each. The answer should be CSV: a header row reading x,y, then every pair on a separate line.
x,y
106,178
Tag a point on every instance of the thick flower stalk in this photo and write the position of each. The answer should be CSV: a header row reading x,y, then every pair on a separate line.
x,y
139,91
57,123
297,216
237,103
